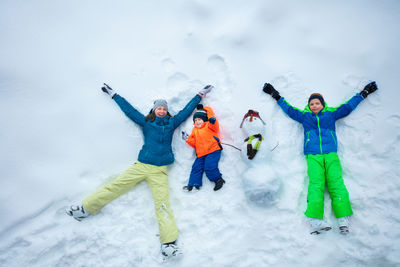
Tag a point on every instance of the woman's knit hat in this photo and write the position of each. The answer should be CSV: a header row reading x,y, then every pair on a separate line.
x,y
316,96
200,113
160,103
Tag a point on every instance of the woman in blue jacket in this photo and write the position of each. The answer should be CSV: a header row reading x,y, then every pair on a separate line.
x,y
154,157
320,149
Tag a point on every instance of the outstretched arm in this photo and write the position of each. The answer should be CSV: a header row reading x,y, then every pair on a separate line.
x,y
293,112
129,110
188,109
346,108
124,105
213,124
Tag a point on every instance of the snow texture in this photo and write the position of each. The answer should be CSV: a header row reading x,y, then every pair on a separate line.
x,y
62,137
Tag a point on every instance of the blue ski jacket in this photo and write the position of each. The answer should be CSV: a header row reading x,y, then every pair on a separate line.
x,y
158,134
319,129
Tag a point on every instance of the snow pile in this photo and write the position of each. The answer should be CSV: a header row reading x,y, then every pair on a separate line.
x,y
62,138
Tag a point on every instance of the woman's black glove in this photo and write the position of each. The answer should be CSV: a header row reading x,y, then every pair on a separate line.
x,y
269,89
368,89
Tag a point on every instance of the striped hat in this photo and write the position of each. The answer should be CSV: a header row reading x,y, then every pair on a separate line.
x,y
200,113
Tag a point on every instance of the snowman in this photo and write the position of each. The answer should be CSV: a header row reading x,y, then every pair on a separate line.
x,y
260,181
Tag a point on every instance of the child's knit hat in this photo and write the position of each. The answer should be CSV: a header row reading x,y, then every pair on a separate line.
x,y
200,113
317,96
160,103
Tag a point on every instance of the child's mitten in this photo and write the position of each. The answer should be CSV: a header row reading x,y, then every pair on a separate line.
x,y
368,89
269,89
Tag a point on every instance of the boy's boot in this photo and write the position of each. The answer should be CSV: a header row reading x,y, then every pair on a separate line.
x,y
218,184
318,226
344,225
189,188
78,212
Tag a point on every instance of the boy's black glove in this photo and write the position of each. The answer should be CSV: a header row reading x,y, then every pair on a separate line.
x,y
269,89
368,89
212,120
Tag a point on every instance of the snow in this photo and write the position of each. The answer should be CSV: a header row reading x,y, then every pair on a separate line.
x,y
62,138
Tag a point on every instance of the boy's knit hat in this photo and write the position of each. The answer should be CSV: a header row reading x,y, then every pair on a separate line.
x,y
200,113
317,96
160,103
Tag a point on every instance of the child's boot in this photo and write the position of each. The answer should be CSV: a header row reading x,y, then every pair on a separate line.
x,y
187,188
78,212
218,184
318,226
344,225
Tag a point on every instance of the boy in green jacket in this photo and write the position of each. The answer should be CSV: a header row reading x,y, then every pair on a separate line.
x,y
320,149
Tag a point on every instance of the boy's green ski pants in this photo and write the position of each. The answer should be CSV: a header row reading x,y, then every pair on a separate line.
x,y
326,169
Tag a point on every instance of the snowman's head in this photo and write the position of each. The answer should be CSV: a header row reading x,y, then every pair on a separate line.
x,y
252,123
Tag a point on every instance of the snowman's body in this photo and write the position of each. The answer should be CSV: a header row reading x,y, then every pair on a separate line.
x,y
260,181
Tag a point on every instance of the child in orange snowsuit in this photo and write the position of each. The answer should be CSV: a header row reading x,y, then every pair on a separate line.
x,y
204,138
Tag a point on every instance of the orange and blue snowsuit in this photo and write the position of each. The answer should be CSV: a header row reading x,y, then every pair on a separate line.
x,y
208,150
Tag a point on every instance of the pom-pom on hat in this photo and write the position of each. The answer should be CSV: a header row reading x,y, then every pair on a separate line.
x,y
200,113
317,96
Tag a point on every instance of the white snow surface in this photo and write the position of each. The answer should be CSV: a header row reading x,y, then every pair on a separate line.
x,y
62,138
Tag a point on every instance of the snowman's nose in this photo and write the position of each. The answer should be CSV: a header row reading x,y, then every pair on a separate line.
x,y
251,118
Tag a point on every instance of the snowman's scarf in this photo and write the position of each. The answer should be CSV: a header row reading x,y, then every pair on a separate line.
x,y
252,151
